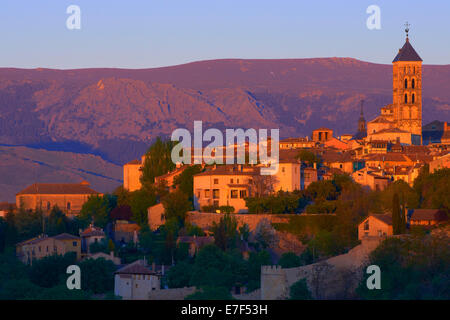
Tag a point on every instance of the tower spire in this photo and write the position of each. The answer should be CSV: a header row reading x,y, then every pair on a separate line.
x,y
362,103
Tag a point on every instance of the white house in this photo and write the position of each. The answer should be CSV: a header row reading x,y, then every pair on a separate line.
x,y
136,280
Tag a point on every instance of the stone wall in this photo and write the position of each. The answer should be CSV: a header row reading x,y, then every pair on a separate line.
x,y
334,278
205,220
171,294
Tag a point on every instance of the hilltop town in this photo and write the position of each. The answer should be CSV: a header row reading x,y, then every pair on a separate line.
x,y
199,231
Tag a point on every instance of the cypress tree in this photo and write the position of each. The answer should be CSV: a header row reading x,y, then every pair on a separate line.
x,y
396,215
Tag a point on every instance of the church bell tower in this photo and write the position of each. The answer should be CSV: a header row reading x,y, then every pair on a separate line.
x,y
407,89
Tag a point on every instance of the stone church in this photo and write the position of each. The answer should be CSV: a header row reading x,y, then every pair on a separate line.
x,y
401,121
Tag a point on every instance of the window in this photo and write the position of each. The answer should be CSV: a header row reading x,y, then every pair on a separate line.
x,y
47,249
216,194
68,205
231,181
216,181
406,98
413,97
413,83
76,244
366,225
48,206
234,194
406,83
243,194
39,248
207,193
282,169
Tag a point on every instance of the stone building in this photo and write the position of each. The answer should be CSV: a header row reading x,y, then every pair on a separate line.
x,y
376,225
69,197
136,281
322,135
226,185
43,246
132,175
405,112
91,235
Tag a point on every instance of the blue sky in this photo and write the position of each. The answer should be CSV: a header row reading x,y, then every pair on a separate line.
x,y
153,33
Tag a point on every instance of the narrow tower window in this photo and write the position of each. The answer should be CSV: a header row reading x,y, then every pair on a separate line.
x,y
406,83
406,98
413,98
413,83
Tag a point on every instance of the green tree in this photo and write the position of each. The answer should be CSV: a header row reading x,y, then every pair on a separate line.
x,y
299,291
225,232
289,260
211,293
140,201
97,275
157,161
97,209
322,190
51,270
255,261
185,181
176,206
179,276
397,225
308,157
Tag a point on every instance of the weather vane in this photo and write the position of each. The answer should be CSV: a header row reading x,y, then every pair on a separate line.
x,y
407,25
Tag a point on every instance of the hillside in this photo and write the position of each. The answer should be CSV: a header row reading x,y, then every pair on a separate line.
x,y
22,166
116,113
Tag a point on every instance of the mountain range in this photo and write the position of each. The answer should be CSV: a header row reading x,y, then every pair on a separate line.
x,y
112,115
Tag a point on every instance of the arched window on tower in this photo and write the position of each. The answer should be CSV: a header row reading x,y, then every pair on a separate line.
x,y
413,96
406,98
413,83
406,83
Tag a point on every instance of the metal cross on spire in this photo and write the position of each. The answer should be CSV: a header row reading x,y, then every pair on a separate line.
x,y
407,25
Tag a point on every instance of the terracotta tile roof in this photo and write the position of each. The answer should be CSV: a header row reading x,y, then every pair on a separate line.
x,y
136,267
65,236
92,231
135,161
380,119
230,170
58,188
428,215
391,130
391,156
6,206
295,140
385,217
